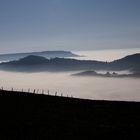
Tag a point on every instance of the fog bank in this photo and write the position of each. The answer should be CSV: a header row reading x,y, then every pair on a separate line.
x,y
80,87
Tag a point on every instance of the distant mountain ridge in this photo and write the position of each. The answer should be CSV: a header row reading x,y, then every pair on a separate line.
x,y
39,63
107,74
47,54
130,62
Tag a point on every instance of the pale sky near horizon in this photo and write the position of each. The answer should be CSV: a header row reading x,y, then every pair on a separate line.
x,y
34,25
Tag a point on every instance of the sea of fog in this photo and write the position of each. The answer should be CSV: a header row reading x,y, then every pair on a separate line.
x,y
106,55
81,87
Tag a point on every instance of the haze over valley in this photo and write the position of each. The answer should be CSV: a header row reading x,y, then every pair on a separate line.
x,y
80,87
85,48
63,82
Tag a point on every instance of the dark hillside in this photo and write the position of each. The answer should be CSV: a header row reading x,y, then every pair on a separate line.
x,y
35,63
130,62
47,54
26,116
38,63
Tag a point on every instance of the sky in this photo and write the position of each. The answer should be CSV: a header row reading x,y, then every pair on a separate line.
x,y
40,25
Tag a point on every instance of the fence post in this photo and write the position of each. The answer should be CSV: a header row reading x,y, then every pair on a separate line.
x,y
34,91
29,90
42,91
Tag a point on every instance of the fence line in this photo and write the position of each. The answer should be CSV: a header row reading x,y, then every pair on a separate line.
x,y
37,91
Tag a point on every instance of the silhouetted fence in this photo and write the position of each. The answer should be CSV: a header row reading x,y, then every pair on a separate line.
x,y
38,91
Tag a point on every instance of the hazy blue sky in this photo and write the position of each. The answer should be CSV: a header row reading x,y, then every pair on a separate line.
x,y
31,25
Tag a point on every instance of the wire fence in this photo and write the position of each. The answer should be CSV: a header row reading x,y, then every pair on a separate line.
x,y
37,91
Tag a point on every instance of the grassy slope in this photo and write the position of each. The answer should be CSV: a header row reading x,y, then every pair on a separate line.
x,y
25,116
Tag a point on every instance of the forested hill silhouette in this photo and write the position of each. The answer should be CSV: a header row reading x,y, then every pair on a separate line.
x,y
47,54
30,60
130,62
107,74
39,63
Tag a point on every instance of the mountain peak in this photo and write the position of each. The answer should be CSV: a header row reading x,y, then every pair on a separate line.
x,y
47,54
32,59
130,58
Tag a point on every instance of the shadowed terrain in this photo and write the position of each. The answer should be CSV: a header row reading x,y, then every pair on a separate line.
x,y
107,74
37,117
33,63
47,54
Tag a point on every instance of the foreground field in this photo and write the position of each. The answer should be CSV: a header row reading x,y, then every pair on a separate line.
x,y
26,116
